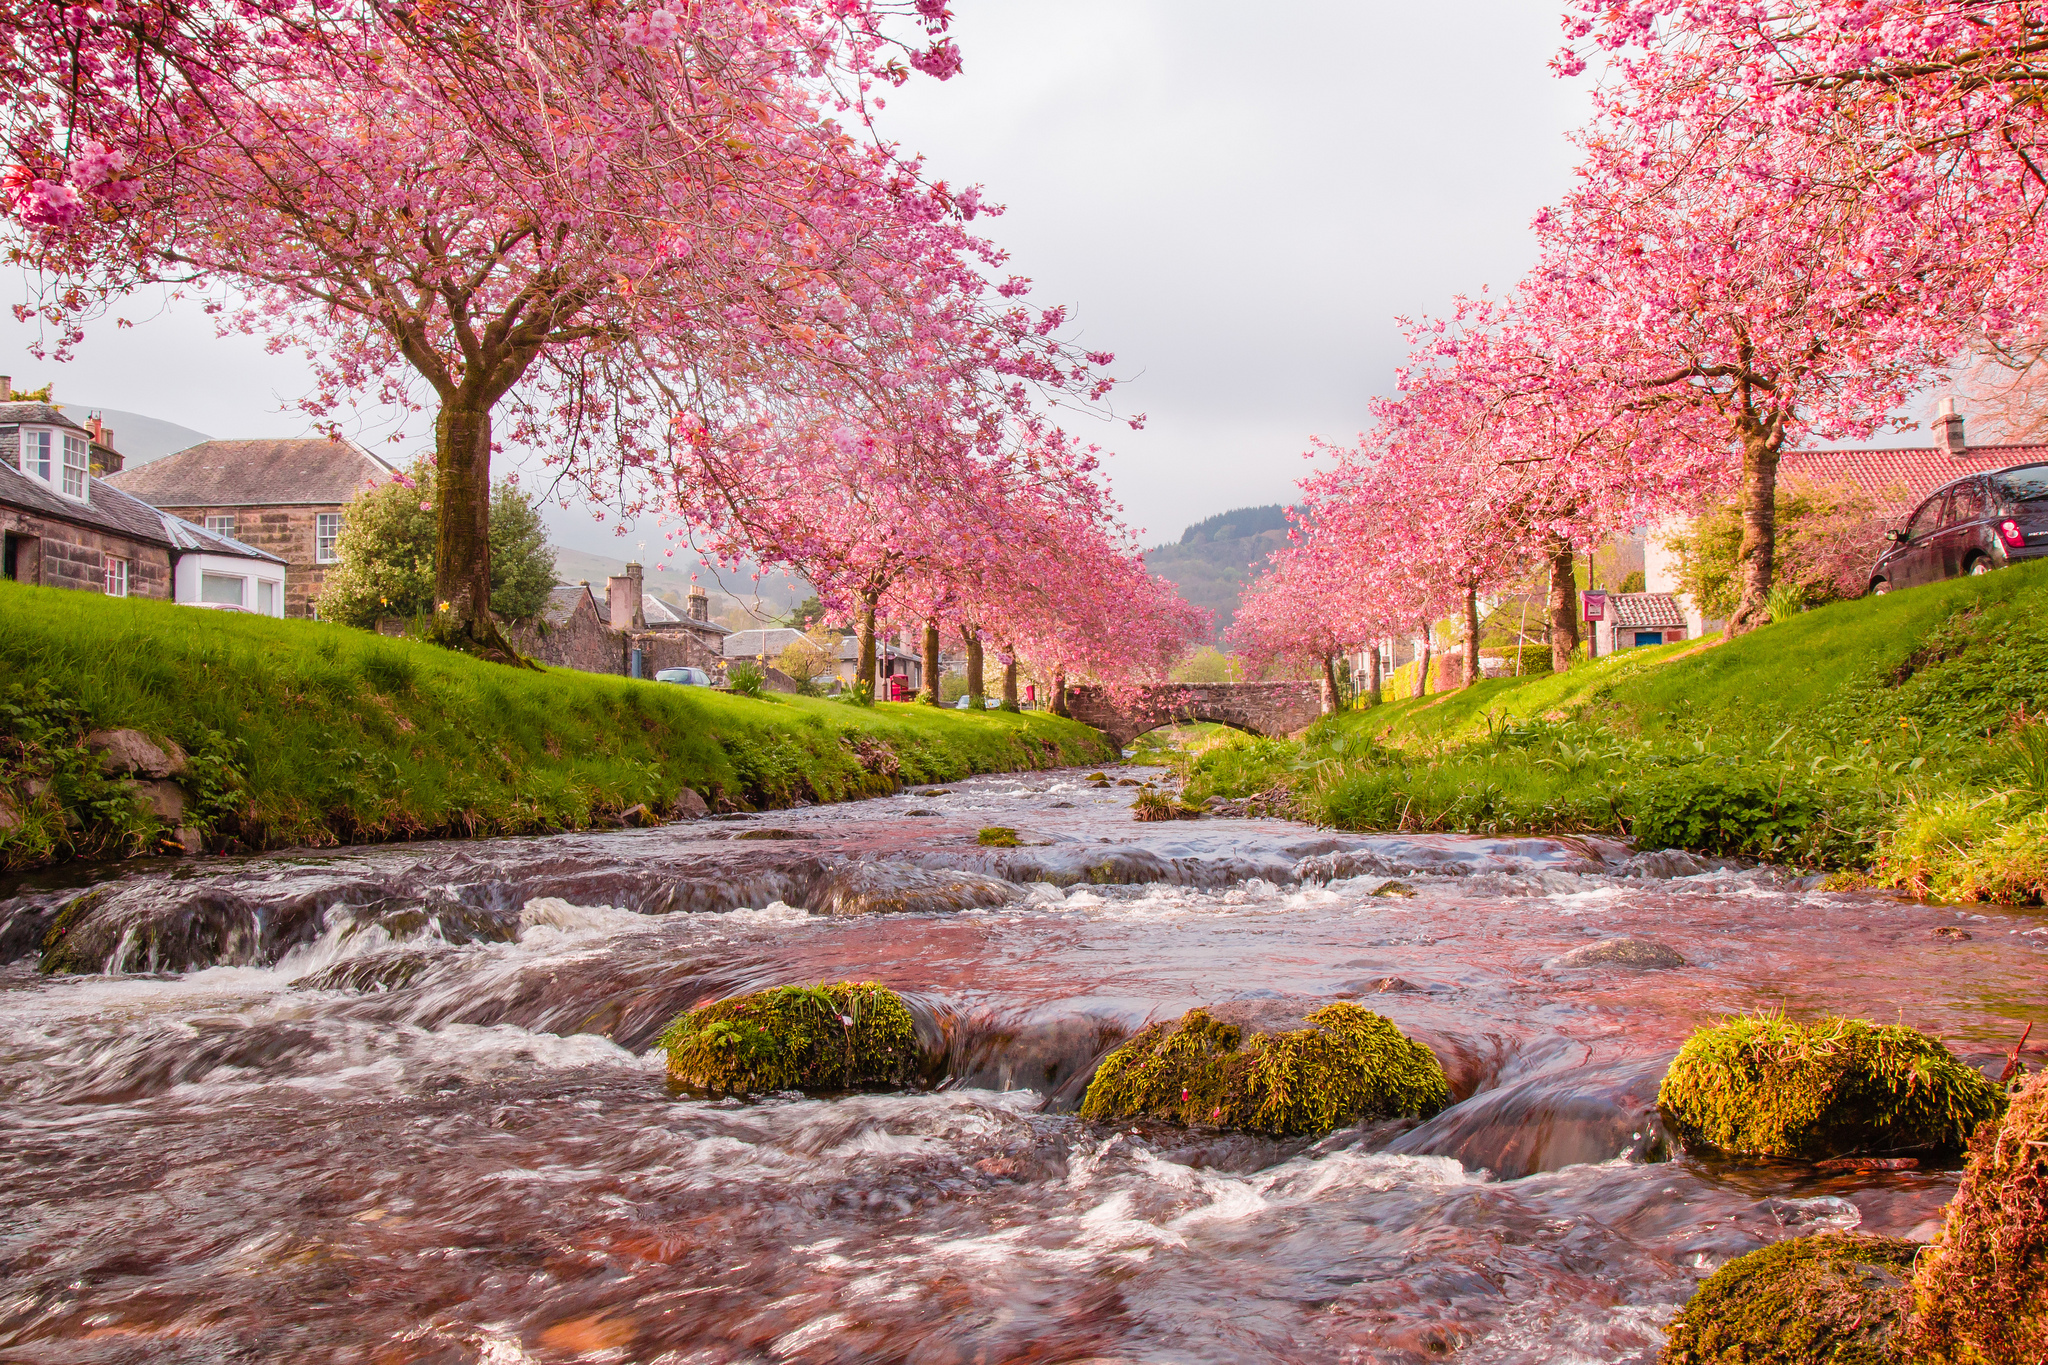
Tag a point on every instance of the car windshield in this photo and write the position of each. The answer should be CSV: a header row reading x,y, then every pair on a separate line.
x,y
681,675
2029,484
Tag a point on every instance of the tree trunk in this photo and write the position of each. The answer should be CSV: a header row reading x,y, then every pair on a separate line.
x,y
866,672
1010,702
1564,604
1059,694
1756,559
1329,684
1422,666
976,678
931,661
462,531
1372,673
1471,637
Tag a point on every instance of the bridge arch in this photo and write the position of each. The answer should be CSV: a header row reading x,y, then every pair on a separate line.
x,y
1265,708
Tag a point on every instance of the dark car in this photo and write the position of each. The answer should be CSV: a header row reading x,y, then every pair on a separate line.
x,y
684,677
1971,526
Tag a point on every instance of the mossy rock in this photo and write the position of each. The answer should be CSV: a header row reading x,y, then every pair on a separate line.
x,y
998,836
1981,1294
1836,1299
1764,1086
1349,1065
847,1035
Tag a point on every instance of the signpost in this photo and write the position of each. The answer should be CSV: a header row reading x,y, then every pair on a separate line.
x,y
1596,611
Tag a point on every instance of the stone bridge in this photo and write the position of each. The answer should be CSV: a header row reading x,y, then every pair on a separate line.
x,y
1263,708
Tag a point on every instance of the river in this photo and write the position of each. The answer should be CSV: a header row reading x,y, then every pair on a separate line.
x,y
398,1105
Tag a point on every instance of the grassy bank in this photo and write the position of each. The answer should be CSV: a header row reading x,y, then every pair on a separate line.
x,y
1902,735
303,733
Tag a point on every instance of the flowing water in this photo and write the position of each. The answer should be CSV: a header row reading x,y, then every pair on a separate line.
x,y
399,1104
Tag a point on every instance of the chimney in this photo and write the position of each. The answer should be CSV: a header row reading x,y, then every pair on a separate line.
x,y
1951,423
92,426
622,591
6,388
700,603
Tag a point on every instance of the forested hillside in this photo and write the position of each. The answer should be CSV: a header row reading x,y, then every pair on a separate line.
x,y
1214,559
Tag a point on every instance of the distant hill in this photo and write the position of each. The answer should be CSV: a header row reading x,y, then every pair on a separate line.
x,y
139,439
1214,559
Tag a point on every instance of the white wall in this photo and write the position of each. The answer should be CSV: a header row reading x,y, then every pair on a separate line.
x,y
187,587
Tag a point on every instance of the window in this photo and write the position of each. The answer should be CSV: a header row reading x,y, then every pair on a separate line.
x,y
35,454
221,523
76,466
1965,504
266,597
1927,518
117,577
221,590
2027,484
326,531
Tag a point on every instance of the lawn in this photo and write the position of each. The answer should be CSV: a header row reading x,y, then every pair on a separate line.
x,y
306,733
1901,735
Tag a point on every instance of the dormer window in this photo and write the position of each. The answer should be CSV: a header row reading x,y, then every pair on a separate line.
x,y
60,460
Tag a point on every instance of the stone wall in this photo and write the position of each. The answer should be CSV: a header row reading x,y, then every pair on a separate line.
x,y
1266,708
68,556
587,644
286,532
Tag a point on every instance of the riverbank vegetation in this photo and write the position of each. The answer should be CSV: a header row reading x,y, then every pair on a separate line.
x,y
299,732
1903,738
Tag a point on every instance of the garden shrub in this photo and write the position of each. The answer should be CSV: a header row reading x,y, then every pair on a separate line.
x,y
841,1036
1348,1065
1981,1293
1762,1085
1720,810
1836,1299
746,679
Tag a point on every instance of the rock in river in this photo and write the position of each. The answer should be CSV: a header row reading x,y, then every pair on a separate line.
x,y
1640,954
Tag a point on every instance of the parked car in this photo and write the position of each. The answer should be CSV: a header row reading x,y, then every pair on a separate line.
x,y
1970,526
684,677
967,703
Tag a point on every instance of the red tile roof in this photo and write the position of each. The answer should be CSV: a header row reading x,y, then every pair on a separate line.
x,y
1897,480
1645,610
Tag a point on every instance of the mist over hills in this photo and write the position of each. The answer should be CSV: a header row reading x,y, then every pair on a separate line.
x,y
1214,559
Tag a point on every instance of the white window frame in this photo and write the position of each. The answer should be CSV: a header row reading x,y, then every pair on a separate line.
x,y
77,470
241,582
326,537
221,524
117,576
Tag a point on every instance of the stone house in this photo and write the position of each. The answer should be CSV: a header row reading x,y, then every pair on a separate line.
x,y
1640,618
62,526
633,635
284,497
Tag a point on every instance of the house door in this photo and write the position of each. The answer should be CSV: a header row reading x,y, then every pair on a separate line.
x,y
23,560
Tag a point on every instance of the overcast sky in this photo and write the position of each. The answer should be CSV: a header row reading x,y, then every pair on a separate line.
x,y
1238,201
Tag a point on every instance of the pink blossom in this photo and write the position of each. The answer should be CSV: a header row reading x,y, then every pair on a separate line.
x,y
941,60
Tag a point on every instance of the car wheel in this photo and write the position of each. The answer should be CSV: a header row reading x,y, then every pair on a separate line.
x,y
1880,587
1978,566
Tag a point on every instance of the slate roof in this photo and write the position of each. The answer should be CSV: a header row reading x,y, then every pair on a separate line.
x,y
747,644
1897,480
186,536
561,603
1645,611
42,414
661,616
105,508
299,472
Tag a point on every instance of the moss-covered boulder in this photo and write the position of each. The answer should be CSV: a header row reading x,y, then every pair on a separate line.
x,y
847,1035
1836,1299
1348,1065
1981,1293
1765,1086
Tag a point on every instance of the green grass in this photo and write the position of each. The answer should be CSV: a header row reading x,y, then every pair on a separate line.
x,y
1902,734
319,734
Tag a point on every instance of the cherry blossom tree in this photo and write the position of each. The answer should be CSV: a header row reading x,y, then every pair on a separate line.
x,y
639,225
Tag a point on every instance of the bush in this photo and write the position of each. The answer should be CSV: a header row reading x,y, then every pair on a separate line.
x,y
830,1037
1959,849
1981,1293
745,679
1348,1065
1836,1299
386,554
1764,1086
1729,811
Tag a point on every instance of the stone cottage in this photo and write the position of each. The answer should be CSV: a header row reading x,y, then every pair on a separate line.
x,y
573,631
61,526
280,496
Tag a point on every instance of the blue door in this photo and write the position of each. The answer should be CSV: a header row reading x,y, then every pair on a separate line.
x,y
1649,637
